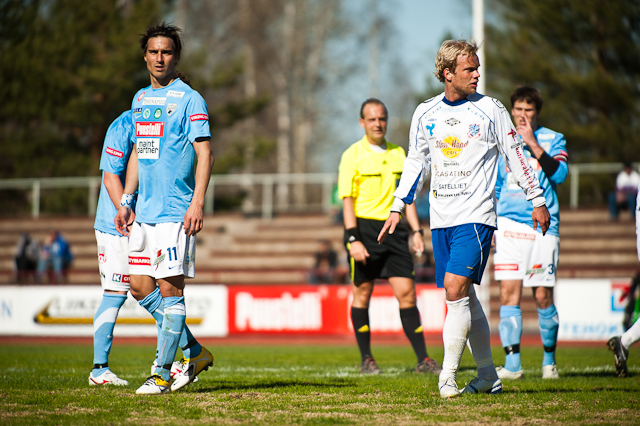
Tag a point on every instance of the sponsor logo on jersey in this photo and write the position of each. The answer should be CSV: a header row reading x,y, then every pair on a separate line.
x,y
134,260
450,164
137,110
452,185
197,117
140,96
452,122
519,235
154,101
174,94
159,258
114,152
546,136
158,113
147,113
537,269
171,108
148,148
102,258
474,131
451,146
120,278
507,267
513,134
453,173
151,128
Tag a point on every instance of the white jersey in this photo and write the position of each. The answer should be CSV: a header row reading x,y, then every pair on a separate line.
x,y
459,143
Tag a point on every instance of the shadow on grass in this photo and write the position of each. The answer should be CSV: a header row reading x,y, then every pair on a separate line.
x,y
278,384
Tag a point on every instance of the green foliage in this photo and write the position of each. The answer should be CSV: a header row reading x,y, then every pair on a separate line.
x,y
585,58
309,385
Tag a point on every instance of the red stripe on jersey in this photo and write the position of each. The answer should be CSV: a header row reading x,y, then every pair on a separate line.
x,y
114,152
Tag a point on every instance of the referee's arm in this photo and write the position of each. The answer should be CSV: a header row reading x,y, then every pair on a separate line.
x,y
357,250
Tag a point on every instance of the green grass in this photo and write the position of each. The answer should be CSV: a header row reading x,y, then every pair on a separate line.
x,y
47,385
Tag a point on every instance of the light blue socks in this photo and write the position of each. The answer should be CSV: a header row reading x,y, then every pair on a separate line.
x,y
510,328
548,321
172,327
103,324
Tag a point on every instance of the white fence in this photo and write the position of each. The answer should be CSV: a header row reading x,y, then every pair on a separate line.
x,y
266,181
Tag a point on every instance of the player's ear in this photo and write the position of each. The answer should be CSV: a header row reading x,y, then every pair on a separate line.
x,y
362,123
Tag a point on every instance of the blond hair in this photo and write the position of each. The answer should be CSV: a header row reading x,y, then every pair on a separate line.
x,y
448,53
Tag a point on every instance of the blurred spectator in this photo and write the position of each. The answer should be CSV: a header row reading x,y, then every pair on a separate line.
x,y
627,183
324,271
26,258
55,258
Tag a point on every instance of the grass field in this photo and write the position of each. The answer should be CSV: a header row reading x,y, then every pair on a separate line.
x,y
47,385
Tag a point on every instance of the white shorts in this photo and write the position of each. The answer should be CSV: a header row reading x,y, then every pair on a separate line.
x,y
525,254
161,250
113,261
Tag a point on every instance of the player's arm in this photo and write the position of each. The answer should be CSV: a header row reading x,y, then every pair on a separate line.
x,y
114,187
417,233
357,250
510,145
193,218
125,215
414,172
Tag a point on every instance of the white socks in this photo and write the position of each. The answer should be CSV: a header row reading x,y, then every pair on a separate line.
x,y
480,339
455,332
629,337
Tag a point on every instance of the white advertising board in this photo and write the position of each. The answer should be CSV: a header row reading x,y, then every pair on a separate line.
x,y
69,311
590,309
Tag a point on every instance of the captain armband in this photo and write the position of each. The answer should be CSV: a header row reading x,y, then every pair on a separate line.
x,y
548,164
354,235
127,200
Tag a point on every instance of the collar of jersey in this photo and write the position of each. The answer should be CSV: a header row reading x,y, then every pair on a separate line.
x,y
167,86
456,103
367,145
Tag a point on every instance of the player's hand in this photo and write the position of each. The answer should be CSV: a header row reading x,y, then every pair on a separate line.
x,y
541,216
525,130
358,252
389,226
418,244
193,220
123,220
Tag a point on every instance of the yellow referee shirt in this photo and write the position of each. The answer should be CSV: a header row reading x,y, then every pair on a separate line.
x,y
370,178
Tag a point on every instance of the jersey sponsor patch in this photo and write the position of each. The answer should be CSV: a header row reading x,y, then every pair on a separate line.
x,y
158,113
474,131
140,96
171,108
134,260
197,117
174,94
152,128
137,110
452,121
154,101
519,235
451,146
114,152
546,136
147,113
102,258
507,267
148,148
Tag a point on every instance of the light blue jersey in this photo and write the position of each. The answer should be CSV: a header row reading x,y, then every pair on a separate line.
x,y
511,201
115,156
167,122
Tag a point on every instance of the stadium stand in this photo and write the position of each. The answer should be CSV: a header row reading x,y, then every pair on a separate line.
x,y
233,249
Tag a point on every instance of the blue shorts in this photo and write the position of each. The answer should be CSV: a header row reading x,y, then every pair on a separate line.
x,y
461,250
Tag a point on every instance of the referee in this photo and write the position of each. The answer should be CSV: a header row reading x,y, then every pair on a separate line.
x,y
368,174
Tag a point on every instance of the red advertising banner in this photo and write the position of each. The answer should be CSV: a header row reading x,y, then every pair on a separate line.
x,y
323,309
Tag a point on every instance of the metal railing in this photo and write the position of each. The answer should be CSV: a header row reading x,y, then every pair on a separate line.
x,y
267,181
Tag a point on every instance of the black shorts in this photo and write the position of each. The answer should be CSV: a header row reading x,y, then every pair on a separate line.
x,y
386,260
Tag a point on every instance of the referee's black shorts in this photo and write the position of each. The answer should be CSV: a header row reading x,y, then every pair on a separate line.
x,y
386,260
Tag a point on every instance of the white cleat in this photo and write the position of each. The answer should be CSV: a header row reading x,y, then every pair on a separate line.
x,y
503,373
550,372
448,388
176,368
479,385
191,367
154,385
107,378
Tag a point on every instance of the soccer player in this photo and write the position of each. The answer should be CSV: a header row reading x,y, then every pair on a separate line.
x,y
113,248
620,344
171,130
525,257
368,174
458,137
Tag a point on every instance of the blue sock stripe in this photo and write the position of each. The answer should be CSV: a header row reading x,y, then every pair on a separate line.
x,y
152,301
